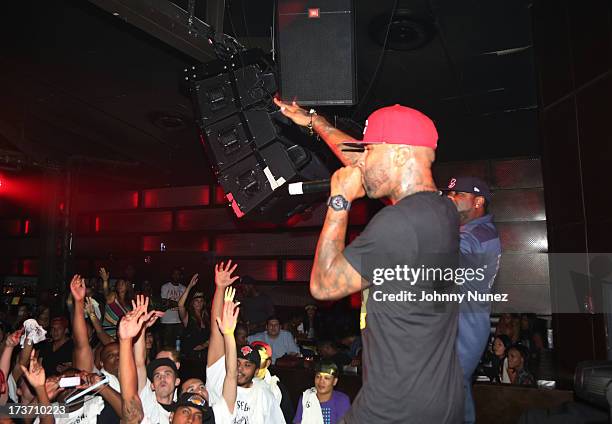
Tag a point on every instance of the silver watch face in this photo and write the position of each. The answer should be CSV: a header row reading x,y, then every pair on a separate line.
x,y
338,203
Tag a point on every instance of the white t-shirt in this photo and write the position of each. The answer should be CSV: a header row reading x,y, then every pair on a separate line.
x,y
87,414
171,292
255,405
153,411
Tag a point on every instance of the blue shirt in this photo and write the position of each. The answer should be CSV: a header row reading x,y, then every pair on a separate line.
x,y
281,345
480,249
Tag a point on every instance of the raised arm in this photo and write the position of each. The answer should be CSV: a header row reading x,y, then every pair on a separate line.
x,y
108,294
5,359
129,327
23,359
183,300
332,276
140,347
227,324
35,375
82,355
332,136
103,336
223,278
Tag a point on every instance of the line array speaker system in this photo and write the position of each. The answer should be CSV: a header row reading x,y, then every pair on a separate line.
x,y
242,133
315,42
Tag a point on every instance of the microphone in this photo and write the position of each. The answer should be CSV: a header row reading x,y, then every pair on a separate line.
x,y
308,187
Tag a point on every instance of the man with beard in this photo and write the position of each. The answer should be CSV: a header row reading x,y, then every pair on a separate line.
x,y
419,229
480,249
255,403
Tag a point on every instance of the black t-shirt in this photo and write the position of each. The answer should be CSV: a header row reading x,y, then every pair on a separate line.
x,y
410,370
51,359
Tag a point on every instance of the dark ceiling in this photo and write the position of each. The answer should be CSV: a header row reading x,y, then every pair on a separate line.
x,y
78,85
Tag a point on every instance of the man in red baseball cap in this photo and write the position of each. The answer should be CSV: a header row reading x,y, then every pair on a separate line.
x,y
411,373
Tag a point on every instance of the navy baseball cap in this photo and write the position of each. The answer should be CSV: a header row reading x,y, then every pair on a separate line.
x,y
472,185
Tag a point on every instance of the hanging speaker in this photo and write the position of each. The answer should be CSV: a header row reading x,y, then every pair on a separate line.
x,y
315,43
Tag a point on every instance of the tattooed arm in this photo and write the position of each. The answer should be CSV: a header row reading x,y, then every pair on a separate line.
x,y
333,277
332,136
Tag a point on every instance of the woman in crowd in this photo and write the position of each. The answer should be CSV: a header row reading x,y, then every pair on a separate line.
x,y
497,371
310,326
118,302
151,346
195,319
517,366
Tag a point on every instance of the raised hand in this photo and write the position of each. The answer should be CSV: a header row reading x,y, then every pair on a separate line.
x,y
223,274
77,288
89,307
294,112
229,316
13,339
193,282
132,323
35,373
104,274
52,387
152,318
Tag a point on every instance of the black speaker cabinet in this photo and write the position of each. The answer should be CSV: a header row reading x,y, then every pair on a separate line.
x,y
315,45
239,129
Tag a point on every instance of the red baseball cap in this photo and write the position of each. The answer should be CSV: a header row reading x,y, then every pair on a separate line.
x,y
398,125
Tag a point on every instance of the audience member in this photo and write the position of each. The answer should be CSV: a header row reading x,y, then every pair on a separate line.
x,y
517,366
276,386
255,403
282,341
43,316
195,320
310,325
171,292
496,360
328,350
509,324
532,339
118,301
255,306
321,403
241,333
57,352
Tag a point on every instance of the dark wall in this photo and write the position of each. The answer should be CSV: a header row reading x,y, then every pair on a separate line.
x,y
573,45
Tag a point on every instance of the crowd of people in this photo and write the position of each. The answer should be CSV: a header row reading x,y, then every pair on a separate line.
x,y
135,367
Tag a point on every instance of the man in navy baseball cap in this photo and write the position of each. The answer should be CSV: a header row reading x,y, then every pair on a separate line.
x,y
480,248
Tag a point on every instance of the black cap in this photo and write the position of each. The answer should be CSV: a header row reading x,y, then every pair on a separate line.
x,y
250,353
469,185
161,362
194,400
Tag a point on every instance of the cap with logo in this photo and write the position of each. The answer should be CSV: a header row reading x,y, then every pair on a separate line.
x,y
398,125
194,400
327,367
250,353
472,185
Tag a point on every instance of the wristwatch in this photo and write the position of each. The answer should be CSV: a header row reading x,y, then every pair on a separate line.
x,y
339,203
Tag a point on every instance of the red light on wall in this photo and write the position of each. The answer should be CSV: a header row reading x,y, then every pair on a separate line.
x,y
150,198
355,300
97,226
30,267
62,206
297,270
26,227
135,199
220,198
